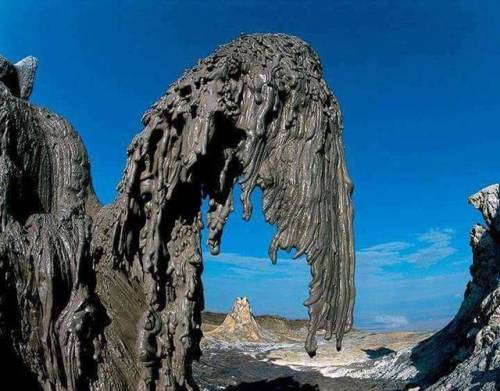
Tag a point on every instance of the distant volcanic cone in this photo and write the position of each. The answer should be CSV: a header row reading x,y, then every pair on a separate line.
x,y
241,326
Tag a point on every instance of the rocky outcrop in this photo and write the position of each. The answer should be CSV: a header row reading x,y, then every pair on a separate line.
x,y
240,325
466,353
97,297
473,336
50,318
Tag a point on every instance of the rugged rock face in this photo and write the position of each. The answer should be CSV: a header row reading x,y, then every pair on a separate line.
x,y
110,297
49,313
473,336
466,353
241,326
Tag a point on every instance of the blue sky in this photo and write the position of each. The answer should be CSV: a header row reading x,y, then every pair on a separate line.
x,y
419,88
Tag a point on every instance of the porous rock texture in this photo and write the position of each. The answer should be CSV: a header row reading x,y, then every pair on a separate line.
x,y
109,297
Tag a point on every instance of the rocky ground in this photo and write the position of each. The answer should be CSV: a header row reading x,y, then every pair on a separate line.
x,y
242,352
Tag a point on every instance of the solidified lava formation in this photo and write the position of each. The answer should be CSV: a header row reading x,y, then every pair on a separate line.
x,y
109,297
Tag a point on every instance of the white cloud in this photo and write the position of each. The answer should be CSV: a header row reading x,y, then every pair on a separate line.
x,y
249,266
397,276
384,254
278,289
438,247
429,248
391,277
391,321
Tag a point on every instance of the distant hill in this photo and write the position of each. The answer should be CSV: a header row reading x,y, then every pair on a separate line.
x,y
242,326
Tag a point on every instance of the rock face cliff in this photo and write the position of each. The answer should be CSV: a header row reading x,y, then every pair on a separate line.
x,y
465,354
473,336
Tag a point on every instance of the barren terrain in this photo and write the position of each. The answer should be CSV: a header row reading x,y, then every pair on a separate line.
x,y
233,360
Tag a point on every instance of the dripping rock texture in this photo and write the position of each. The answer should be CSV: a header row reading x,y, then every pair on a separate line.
x,y
109,297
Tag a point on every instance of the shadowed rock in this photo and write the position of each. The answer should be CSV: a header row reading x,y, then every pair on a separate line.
x,y
377,353
465,354
110,297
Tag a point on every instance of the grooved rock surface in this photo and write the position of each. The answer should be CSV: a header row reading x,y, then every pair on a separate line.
x,y
109,297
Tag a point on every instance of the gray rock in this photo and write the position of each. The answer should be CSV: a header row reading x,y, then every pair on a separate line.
x,y
110,297
17,79
465,354
487,201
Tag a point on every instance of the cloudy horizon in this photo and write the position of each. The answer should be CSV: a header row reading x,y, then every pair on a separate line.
x,y
412,283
